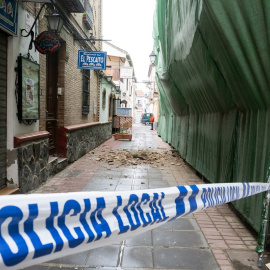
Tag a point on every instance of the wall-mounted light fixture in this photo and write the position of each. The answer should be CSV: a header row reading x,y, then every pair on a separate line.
x,y
152,57
109,82
109,78
55,22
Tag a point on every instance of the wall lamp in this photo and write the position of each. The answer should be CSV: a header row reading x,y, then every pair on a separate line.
x,y
55,22
114,88
152,57
109,78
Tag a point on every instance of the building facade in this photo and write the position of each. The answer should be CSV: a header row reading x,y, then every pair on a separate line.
x,y
118,62
64,99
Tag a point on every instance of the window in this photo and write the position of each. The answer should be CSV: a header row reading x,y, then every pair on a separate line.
x,y
86,91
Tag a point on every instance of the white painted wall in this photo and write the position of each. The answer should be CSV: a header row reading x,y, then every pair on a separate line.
x,y
104,112
16,46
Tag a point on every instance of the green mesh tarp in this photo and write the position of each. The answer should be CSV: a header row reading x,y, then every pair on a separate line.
x,y
213,75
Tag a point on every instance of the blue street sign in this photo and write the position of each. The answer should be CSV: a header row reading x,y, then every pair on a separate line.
x,y
92,60
9,16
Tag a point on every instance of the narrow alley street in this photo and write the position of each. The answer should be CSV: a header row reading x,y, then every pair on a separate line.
x,y
211,239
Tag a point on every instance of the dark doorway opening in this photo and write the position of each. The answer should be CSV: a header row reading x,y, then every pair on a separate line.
x,y
52,101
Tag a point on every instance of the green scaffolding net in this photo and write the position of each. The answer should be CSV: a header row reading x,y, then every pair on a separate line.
x,y
213,75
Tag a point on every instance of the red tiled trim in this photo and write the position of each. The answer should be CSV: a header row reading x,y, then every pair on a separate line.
x,y
76,127
62,142
17,140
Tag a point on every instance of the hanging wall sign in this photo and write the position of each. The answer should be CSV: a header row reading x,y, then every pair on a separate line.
x,y
47,42
92,60
126,73
9,16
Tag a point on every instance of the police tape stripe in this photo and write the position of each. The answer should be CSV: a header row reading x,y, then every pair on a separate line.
x,y
41,227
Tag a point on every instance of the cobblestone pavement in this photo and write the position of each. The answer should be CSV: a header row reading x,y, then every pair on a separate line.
x,y
210,239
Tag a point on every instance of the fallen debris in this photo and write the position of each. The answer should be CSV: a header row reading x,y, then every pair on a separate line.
x,y
125,157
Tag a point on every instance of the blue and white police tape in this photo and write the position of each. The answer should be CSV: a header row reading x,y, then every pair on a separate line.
x,y
41,227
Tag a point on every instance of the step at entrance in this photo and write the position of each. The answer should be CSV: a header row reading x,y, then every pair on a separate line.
x,y
9,191
56,165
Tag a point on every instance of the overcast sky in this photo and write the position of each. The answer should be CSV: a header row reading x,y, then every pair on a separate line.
x,y
129,24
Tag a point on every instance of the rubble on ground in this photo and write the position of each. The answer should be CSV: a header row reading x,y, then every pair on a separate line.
x,y
137,157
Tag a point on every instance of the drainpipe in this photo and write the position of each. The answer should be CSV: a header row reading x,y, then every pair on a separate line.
x,y
263,231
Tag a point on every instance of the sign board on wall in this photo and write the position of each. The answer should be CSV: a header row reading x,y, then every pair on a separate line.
x,y
47,42
124,111
126,72
92,60
9,16
28,89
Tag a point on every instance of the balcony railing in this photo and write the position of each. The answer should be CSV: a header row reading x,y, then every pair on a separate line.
x,y
88,15
75,6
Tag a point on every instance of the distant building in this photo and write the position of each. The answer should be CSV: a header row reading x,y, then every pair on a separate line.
x,y
140,103
119,63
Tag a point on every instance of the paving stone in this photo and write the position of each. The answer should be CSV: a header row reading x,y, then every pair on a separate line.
x,y
137,257
95,187
125,181
181,258
37,267
139,187
186,224
60,267
73,259
104,256
141,176
156,176
179,239
94,268
144,239
158,185
102,181
73,173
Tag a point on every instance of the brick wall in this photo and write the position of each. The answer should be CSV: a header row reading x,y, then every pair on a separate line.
x,y
70,78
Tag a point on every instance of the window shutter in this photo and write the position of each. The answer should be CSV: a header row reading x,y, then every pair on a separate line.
x,y
86,92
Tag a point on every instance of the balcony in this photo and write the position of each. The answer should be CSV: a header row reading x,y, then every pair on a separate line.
x,y
75,6
88,15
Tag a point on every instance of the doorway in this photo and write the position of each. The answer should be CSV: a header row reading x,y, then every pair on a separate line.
x,y
52,101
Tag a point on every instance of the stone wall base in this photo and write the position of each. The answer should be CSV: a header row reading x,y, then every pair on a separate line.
x,y
33,164
81,141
